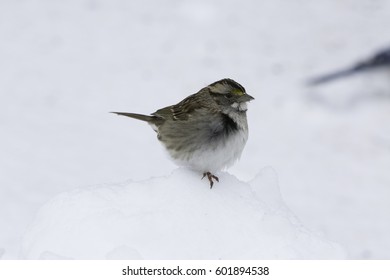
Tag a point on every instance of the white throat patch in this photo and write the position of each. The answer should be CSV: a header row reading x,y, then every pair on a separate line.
x,y
240,106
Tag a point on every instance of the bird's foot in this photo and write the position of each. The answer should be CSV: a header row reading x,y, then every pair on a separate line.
x,y
211,177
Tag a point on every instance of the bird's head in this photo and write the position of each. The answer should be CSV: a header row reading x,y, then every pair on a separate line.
x,y
227,92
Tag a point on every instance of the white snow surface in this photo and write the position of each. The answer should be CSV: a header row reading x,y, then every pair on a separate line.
x,y
66,64
174,217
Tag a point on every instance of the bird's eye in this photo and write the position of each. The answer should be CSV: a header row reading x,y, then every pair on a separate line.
x,y
228,95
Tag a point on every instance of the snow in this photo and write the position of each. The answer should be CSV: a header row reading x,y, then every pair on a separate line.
x,y
174,217
65,65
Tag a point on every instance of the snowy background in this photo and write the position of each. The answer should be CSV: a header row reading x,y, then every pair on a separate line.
x,y
66,162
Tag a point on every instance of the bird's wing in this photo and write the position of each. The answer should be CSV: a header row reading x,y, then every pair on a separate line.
x,y
183,109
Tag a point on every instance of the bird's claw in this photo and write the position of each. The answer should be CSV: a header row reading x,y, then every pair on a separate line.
x,y
211,177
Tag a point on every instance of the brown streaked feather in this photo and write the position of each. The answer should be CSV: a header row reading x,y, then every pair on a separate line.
x,y
184,108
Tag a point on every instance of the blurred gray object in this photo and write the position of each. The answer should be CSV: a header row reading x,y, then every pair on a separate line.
x,y
380,60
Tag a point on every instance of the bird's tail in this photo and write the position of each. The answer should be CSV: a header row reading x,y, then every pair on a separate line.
x,y
145,118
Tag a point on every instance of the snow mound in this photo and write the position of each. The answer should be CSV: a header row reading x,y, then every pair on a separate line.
x,y
174,217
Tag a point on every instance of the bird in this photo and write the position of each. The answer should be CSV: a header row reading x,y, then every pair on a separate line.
x,y
379,60
206,131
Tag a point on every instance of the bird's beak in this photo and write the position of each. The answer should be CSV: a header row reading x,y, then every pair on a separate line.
x,y
245,98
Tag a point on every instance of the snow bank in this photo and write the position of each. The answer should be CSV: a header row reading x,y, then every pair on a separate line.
x,y
174,217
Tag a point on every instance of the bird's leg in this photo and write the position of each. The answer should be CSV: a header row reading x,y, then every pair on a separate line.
x,y
210,177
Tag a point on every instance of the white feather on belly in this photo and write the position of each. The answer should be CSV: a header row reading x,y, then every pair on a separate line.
x,y
221,157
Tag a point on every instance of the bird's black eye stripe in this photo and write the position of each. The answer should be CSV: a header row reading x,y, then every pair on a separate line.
x,y
218,95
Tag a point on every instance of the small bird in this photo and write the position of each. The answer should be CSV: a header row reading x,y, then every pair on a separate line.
x,y
206,131
380,60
